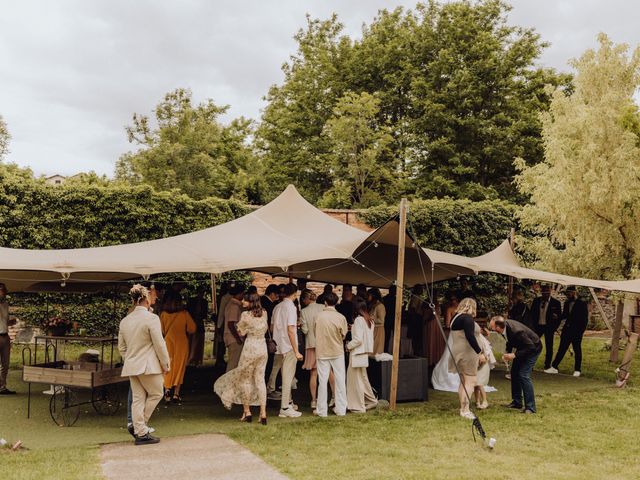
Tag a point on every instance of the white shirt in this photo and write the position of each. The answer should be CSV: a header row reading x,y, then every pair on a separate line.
x,y
308,321
284,315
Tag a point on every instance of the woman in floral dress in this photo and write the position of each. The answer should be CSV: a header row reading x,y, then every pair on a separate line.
x,y
245,384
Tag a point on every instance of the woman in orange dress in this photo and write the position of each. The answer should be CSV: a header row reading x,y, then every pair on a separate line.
x,y
177,325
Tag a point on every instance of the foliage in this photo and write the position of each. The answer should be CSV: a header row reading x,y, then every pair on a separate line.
x,y
585,196
456,87
456,226
190,150
36,215
5,136
359,154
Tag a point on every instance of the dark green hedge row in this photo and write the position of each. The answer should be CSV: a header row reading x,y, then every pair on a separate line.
x,y
455,226
33,215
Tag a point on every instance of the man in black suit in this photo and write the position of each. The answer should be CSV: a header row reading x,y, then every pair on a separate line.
x,y
545,316
528,347
576,317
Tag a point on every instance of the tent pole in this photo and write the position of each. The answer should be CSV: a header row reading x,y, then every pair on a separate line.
x,y
512,243
214,298
214,311
402,235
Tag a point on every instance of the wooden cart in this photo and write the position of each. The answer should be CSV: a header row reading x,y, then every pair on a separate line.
x,y
67,378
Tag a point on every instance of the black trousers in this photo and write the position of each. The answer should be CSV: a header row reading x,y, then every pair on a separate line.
x,y
573,338
548,333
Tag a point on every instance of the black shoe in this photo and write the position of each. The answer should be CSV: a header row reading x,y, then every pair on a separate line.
x,y
147,439
513,405
131,430
6,391
263,420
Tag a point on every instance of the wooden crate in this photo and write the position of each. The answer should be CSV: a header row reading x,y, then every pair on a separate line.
x,y
53,373
108,376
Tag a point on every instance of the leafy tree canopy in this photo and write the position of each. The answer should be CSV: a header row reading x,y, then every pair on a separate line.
x,y
585,195
457,90
188,149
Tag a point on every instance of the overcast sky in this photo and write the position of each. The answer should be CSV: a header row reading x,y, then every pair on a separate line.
x,y
73,72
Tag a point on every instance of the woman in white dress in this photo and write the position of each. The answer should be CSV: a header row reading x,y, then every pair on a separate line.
x,y
245,384
360,397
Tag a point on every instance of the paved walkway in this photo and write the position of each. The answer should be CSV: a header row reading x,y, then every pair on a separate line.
x,y
194,457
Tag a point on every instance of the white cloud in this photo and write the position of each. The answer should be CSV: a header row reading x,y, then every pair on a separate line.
x,y
73,71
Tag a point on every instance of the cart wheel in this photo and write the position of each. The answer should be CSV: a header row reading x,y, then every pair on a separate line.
x,y
106,399
63,407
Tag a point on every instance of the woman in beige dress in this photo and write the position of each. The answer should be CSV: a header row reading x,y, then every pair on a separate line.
x,y
245,384
377,313
360,397
466,353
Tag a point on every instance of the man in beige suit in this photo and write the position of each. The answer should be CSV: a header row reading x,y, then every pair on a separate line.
x,y
145,360
330,330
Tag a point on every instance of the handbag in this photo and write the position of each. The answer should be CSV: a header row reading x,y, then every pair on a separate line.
x,y
272,346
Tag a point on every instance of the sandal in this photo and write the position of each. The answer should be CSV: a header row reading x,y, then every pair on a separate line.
x,y
176,399
246,418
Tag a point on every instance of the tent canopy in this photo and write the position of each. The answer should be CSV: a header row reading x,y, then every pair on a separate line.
x,y
286,236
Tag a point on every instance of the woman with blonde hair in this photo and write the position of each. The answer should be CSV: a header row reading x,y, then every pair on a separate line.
x,y
466,353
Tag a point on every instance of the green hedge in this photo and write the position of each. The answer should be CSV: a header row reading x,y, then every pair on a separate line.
x,y
34,215
455,226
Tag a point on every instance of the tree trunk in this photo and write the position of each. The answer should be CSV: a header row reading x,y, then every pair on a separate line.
x,y
615,336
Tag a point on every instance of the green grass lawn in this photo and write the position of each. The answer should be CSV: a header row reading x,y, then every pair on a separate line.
x,y
584,429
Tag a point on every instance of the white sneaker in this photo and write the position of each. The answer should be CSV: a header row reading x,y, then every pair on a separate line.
x,y
332,403
482,406
551,370
293,405
467,415
294,384
576,373
289,412
314,404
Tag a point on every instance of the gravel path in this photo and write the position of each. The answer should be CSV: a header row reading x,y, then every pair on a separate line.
x,y
194,457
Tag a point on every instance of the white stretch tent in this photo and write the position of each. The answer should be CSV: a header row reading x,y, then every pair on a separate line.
x,y
287,236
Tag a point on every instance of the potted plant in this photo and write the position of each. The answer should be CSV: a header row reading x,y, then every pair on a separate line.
x,y
57,326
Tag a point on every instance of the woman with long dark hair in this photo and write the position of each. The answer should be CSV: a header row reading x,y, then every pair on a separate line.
x,y
377,312
360,397
245,384
177,325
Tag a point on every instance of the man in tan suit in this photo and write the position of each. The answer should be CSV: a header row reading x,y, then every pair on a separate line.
x,y
145,360
330,330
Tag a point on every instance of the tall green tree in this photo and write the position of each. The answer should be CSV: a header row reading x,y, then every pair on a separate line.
x,y
585,195
359,155
4,138
188,149
457,85
290,133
